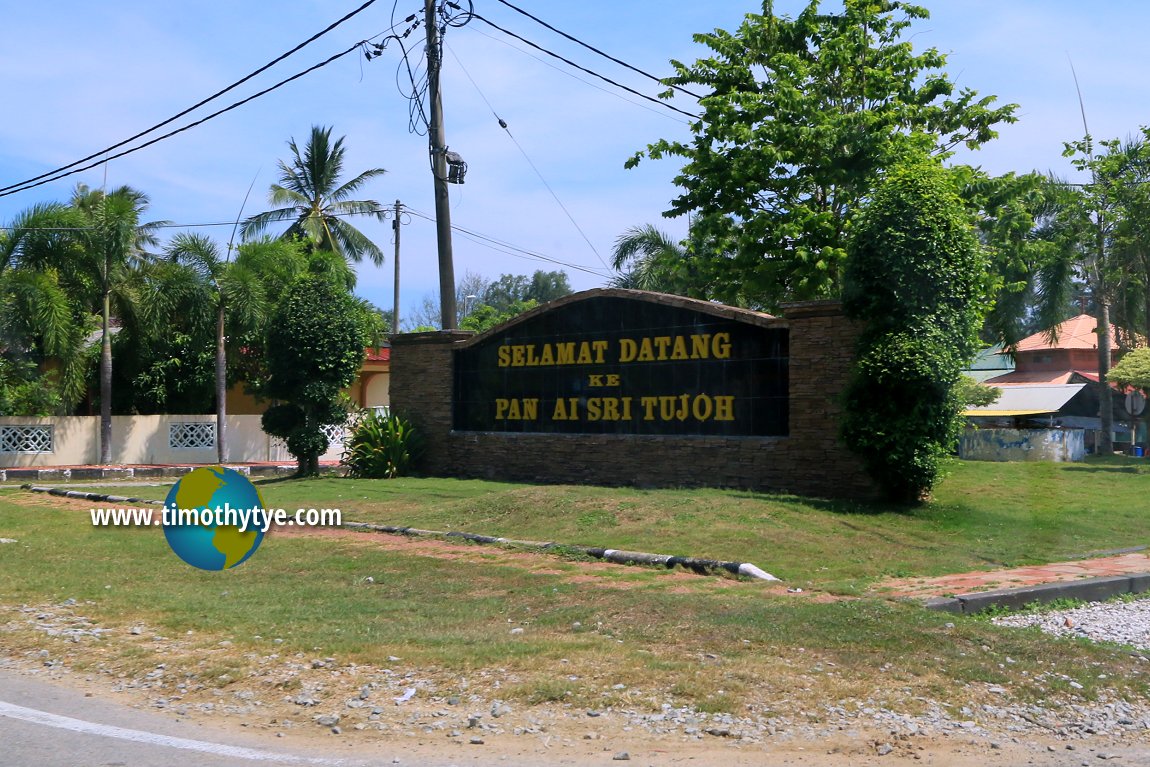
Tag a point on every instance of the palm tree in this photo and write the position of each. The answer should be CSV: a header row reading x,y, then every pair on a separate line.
x,y
112,245
645,257
309,195
39,318
239,299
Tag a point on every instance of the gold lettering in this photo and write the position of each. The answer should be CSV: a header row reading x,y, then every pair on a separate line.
x,y
627,349
648,404
501,406
721,346
611,409
547,357
531,409
516,410
661,343
565,353
725,408
518,356
613,380
594,413
667,408
504,356
600,349
700,346
646,351
584,353
679,352
626,409
560,412
702,408
595,380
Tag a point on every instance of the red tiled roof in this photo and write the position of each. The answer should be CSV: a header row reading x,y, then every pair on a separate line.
x,y
382,354
1074,333
1020,378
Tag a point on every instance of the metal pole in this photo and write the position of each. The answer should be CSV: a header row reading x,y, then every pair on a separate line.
x,y
438,145
395,309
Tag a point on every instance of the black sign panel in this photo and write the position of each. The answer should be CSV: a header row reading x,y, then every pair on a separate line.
x,y
618,365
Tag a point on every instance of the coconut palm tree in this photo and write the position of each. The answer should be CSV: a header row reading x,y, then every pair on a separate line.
x,y
310,196
112,247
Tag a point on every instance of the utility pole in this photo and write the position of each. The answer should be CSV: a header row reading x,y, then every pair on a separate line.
x,y
438,145
395,309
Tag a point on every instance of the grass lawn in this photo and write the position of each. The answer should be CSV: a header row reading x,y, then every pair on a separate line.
x,y
706,641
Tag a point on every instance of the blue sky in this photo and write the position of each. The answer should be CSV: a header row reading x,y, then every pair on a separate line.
x,y
79,76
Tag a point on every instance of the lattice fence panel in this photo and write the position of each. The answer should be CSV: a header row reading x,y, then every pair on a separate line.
x,y
195,435
26,439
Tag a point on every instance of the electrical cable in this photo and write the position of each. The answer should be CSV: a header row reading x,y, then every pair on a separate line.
x,y
592,48
25,184
505,247
571,63
503,125
191,125
573,76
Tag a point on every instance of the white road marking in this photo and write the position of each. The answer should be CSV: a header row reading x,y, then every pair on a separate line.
x,y
140,736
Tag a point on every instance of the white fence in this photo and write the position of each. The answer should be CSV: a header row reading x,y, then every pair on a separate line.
x,y
142,439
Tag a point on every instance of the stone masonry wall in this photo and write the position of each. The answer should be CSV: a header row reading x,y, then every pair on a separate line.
x,y
810,461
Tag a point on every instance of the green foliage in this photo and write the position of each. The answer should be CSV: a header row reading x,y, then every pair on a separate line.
x,y
381,447
485,317
1133,370
310,195
971,393
25,391
918,281
314,350
512,290
800,118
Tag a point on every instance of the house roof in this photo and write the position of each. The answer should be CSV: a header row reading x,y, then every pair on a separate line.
x,y
1028,400
378,354
1074,333
1031,377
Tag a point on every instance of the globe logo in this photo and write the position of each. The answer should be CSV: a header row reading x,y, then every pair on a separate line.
x,y
199,505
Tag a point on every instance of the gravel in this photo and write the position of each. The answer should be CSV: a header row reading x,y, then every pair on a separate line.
x,y
1126,623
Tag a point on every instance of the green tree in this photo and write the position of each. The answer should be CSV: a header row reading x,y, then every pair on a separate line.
x,y
309,194
918,281
41,324
800,118
315,348
1133,370
485,317
514,289
113,245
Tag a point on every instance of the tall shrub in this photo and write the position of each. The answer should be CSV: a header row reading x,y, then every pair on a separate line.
x,y
918,282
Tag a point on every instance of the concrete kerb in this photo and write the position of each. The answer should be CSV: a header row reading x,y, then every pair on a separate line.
x,y
138,472
1086,590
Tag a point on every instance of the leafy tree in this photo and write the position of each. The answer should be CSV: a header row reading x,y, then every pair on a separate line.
x,y
971,393
648,259
800,118
41,323
1133,370
486,317
310,195
315,348
918,281
512,289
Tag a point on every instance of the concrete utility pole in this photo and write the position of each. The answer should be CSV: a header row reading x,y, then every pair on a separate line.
x,y
438,144
395,306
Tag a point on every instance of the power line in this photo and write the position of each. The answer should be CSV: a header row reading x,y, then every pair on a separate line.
x,y
503,125
571,63
592,48
27,184
189,126
505,247
573,76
